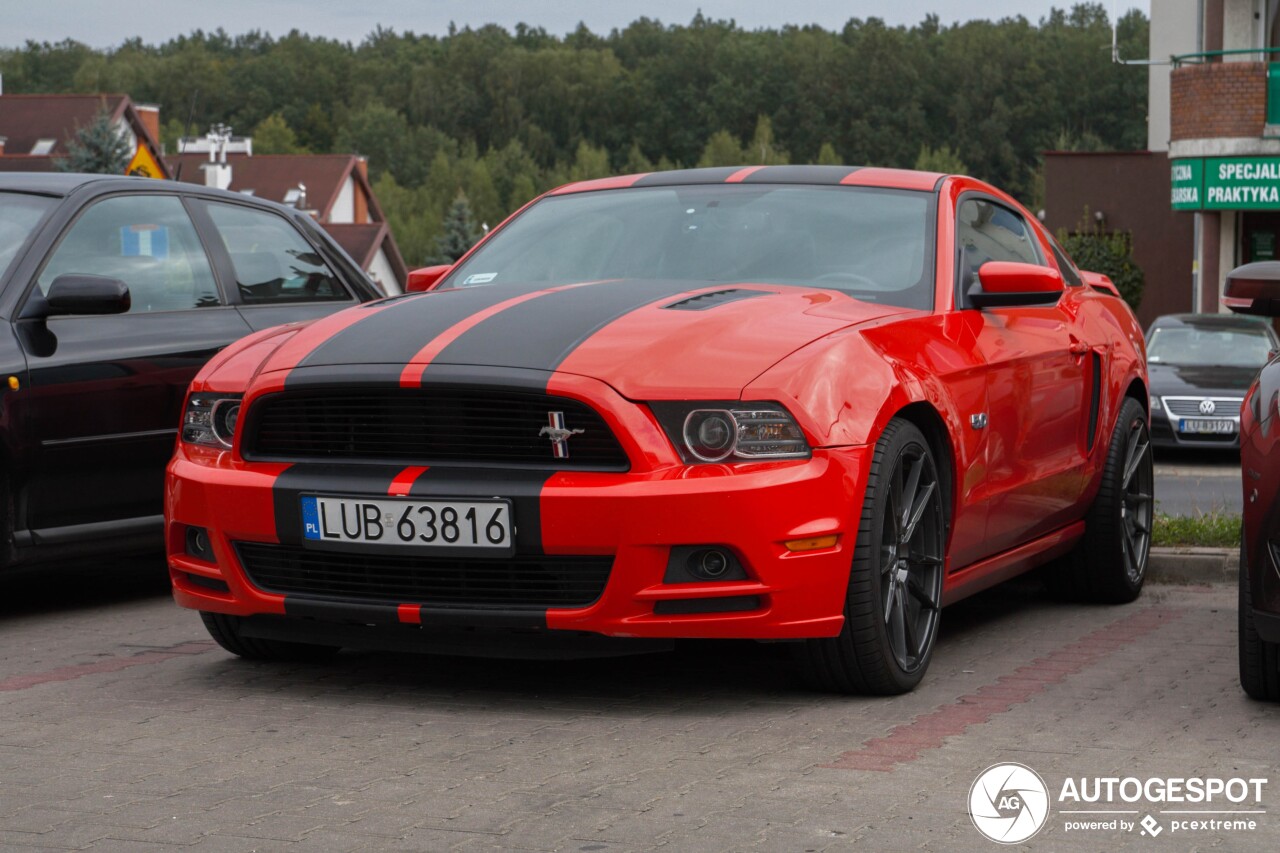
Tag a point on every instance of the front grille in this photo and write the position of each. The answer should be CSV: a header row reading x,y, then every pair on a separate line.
x,y
440,581
1189,407
489,427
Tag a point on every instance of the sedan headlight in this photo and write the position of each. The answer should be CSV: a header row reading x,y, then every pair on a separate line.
x,y
1155,404
210,419
731,432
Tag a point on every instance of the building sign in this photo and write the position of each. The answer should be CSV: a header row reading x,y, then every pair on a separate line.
x,y
1188,184
1226,183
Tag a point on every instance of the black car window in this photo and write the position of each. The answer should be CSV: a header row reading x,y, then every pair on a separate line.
x,y
273,262
1069,272
19,216
146,241
1191,346
986,231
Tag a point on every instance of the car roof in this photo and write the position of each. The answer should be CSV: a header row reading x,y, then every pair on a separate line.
x,y
859,176
55,183
1208,322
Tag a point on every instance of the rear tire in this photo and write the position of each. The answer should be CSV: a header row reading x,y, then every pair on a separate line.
x,y
1109,565
226,632
895,584
1259,660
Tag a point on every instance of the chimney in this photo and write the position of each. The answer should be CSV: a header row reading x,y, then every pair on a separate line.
x,y
149,115
217,172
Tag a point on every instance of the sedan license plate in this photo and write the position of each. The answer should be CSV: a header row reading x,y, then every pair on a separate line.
x,y
1207,425
454,525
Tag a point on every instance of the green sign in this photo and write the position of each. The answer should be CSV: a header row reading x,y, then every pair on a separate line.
x,y
1226,183
1242,183
1188,184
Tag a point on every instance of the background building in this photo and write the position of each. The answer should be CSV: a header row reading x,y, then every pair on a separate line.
x,y
1205,196
35,130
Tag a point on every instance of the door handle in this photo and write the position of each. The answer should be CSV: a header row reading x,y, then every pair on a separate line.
x,y
1079,348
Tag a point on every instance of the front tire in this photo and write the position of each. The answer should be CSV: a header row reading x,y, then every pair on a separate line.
x,y
226,632
1109,565
895,586
1259,660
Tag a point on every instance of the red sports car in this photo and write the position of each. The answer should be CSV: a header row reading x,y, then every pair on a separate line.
x,y
1255,289
797,403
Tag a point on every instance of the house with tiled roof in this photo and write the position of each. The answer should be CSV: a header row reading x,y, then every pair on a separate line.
x,y
334,188
36,130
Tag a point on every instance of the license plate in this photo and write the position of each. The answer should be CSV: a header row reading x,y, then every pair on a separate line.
x,y
1206,425
410,524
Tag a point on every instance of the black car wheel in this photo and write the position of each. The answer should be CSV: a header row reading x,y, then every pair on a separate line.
x,y
226,631
895,586
1109,564
1259,660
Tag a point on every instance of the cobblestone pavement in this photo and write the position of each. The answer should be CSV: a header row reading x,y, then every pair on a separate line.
x,y
123,728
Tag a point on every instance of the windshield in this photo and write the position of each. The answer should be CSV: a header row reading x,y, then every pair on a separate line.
x,y
1188,346
19,215
876,245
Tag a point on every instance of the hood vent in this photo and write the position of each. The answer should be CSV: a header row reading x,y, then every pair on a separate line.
x,y
715,298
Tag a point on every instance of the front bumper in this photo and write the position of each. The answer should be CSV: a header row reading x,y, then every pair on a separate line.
x,y
637,519
1164,434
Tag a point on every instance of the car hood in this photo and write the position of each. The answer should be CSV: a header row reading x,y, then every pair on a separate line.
x,y
647,339
1177,380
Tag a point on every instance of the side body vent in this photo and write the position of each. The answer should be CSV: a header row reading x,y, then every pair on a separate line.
x,y
703,301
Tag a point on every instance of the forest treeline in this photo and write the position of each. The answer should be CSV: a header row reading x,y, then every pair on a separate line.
x,y
500,116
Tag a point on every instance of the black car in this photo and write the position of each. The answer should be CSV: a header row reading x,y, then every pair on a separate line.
x,y
113,292
1200,366
1255,289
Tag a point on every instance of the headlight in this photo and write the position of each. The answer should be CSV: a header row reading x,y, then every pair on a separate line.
x,y
734,432
210,419
1155,403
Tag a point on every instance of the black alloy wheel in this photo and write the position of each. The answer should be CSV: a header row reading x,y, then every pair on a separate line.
x,y
895,585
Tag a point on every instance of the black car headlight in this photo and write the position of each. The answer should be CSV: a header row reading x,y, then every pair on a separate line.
x,y
732,431
210,419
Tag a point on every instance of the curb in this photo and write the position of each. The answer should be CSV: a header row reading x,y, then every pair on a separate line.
x,y
1193,565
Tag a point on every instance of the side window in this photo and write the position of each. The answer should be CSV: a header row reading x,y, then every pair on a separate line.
x,y
146,241
273,262
1065,266
986,231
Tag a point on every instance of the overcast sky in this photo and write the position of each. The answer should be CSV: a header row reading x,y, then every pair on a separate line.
x,y
102,24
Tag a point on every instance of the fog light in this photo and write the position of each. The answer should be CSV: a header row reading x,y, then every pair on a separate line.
x,y
708,564
198,544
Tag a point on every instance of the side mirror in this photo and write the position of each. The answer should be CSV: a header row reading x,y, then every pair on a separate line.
x,y
425,278
80,293
1254,289
1002,284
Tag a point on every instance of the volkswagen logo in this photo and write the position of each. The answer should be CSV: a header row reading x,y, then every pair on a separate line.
x,y
1207,407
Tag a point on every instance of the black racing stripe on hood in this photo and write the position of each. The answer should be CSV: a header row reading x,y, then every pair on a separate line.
x,y
398,332
541,333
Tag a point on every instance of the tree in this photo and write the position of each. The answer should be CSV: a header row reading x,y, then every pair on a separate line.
x,y
97,148
274,136
763,150
1107,252
459,232
827,155
722,150
940,160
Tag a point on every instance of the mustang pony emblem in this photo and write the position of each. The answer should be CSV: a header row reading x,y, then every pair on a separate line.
x,y
555,430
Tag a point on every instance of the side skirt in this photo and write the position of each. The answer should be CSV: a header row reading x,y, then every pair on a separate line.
x,y
993,570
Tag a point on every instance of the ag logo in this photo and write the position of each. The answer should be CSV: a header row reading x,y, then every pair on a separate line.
x,y
1009,803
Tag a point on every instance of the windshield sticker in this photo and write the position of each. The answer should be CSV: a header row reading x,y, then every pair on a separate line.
x,y
144,241
480,278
